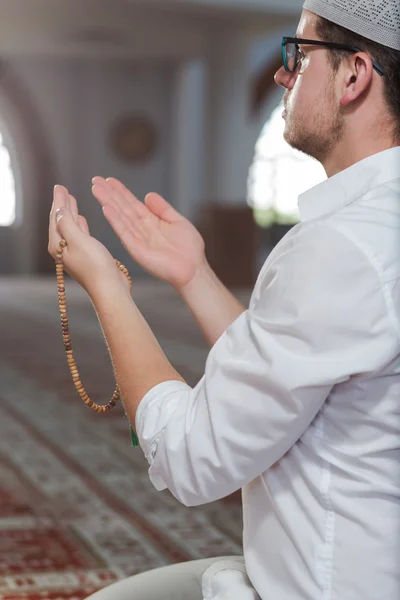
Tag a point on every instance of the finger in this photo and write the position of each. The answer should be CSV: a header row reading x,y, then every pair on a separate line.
x,y
114,193
161,208
106,197
109,194
83,224
60,200
127,197
128,240
73,206
99,180
66,226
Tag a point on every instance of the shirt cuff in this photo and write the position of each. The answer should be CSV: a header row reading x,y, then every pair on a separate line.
x,y
153,414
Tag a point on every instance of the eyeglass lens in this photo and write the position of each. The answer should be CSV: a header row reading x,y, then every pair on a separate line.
x,y
291,57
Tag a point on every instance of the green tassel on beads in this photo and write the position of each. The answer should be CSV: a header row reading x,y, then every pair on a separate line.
x,y
134,438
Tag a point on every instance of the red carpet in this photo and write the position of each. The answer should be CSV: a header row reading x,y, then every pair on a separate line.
x,y
77,510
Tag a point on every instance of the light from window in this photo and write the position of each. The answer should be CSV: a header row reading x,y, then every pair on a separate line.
x,y
7,187
278,175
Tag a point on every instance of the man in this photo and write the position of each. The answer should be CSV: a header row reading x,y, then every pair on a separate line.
x,y
299,404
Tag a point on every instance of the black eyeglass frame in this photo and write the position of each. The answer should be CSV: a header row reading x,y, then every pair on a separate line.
x,y
298,41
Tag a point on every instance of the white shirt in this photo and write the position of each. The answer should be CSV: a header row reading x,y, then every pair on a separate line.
x,y
300,404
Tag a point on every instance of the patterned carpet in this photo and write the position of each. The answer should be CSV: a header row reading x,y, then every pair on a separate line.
x,y
77,510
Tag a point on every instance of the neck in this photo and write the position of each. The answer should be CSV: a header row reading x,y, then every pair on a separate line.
x,y
349,152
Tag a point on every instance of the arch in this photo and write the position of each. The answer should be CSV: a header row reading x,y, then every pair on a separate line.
x,y
23,247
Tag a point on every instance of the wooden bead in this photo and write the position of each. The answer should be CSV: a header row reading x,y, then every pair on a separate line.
x,y
62,303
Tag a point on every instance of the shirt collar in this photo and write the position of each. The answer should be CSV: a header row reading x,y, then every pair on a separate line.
x,y
349,185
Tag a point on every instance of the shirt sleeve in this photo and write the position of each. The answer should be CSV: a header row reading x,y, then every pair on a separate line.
x,y
317,317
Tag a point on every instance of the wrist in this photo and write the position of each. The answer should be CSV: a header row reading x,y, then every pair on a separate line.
x,y
200,280
108,286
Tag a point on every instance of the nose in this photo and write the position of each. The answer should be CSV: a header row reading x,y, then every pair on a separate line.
x,y
285,79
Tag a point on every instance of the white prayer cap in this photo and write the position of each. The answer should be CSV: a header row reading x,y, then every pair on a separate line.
x,y
376,20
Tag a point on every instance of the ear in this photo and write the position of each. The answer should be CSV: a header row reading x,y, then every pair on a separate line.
x,y
358,75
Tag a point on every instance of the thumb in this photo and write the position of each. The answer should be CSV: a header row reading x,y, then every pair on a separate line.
x,y
83,224
161,208
66,225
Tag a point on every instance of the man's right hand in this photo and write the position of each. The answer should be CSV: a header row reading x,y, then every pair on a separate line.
x,y
156,236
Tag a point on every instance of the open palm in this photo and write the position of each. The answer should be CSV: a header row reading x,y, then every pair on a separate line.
x,y
155,235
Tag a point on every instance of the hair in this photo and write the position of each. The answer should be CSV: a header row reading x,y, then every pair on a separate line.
x,y
387,58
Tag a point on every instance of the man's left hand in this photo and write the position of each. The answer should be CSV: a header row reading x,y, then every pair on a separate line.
x,y
85,259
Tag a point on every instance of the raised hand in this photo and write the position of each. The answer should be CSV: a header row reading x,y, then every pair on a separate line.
x,y
155,235
84,258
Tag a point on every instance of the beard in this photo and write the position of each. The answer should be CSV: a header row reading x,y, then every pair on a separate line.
x,y
317,133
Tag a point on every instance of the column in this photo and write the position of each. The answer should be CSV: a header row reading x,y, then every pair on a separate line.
x,y
188,121
230,232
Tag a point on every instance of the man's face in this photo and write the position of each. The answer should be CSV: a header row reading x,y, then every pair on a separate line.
x,y
314,123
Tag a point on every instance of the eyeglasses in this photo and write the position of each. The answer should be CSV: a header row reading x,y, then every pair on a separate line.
x,y
292,54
